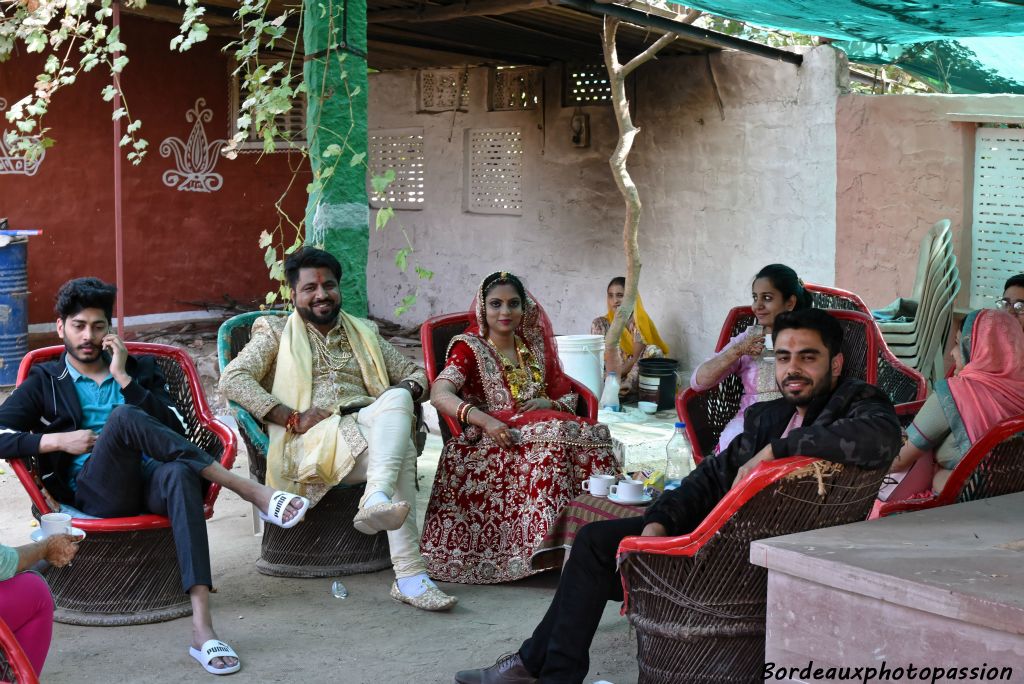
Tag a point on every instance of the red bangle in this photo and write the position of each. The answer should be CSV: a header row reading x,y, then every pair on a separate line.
x,y
292,424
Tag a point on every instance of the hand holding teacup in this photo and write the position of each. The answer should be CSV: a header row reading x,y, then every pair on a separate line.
x,y
60,549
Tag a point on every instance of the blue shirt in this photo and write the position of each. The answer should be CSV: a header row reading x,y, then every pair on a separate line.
x,y
97,402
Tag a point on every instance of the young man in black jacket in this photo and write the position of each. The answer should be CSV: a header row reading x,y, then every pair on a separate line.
x,y
110,442
841,420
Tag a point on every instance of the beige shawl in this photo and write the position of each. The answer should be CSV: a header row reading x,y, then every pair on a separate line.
x,y
311,463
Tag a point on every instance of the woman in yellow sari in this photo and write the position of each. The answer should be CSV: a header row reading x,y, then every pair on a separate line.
x,y
639,339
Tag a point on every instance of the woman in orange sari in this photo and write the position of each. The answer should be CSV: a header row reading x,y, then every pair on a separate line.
x,y
522,454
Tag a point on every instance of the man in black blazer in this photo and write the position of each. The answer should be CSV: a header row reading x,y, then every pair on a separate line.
x,y
821,414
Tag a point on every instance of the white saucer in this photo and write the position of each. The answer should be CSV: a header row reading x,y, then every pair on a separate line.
x,y
646,498
37,534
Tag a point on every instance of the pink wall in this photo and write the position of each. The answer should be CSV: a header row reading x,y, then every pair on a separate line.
x,y
179,246
901,165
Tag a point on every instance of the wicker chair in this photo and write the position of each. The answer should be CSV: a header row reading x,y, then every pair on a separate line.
x,y
993,466
834,298
437,332
126,570
696,601
325,544
707,413
14,664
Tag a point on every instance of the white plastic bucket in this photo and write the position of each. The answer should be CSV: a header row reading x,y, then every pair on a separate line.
x,y
582,357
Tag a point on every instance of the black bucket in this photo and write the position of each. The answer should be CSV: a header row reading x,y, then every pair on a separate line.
x,y
658,382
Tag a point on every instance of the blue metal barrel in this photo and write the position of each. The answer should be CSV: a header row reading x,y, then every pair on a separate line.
x,y
13,308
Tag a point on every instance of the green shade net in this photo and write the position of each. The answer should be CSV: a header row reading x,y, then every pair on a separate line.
x,y
958,46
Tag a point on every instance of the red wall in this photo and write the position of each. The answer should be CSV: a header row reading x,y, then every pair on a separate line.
x,y
179,246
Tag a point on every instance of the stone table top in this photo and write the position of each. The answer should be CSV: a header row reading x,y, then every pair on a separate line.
x,y
964,561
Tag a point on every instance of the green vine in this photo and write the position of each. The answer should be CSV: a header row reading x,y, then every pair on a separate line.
x,y
78,36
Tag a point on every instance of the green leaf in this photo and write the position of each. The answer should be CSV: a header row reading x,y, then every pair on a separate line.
x,y
270,256
406,304
265,239
271,297
381,183
383,216
333,150
357,159
295,245
424,274
402,259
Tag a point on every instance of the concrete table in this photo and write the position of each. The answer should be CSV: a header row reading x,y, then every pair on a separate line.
x,y
937,588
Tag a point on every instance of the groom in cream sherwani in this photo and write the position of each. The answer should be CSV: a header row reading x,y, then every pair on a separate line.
x,y
337,401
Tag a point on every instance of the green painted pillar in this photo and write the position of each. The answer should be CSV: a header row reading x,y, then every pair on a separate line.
x,y
337,213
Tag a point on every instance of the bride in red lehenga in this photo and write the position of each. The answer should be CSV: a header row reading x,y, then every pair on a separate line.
x,y
522,454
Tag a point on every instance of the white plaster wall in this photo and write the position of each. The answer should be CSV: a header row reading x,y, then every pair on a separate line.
x,y
722,196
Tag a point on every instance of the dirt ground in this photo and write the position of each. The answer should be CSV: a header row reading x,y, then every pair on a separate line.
x,y
294,630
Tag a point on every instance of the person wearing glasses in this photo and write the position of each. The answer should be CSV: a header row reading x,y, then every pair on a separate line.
x,y
1013,298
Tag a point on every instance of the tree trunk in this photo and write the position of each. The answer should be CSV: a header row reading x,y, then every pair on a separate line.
x,y
617,74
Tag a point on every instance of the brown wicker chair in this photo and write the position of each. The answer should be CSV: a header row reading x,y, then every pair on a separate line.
x,y
126,570
707,413
325,544
696,601
993,466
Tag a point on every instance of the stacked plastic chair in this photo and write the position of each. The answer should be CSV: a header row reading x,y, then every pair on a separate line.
x,y
920,343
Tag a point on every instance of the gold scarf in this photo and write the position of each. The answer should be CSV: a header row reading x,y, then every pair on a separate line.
x,y
321,456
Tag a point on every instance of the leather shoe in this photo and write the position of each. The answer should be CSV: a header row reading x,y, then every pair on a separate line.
x,y
508,669
383,517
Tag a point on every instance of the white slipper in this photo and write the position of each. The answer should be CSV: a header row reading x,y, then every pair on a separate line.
x,y
215,648
279,504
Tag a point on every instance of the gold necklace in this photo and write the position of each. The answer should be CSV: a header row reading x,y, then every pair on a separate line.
x,y
328,359
524,376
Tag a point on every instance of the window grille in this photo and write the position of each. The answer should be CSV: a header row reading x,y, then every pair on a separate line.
x,y
998,226
493,168
514,88
291,123
400,150
586,85
443,90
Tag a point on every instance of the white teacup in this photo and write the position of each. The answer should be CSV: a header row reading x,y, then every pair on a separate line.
x,y
55,523
647,406
598,484
628,490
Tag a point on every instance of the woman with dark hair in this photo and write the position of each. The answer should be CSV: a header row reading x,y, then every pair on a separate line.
x,y
25,602
639,339
1012,300
522,454
776,288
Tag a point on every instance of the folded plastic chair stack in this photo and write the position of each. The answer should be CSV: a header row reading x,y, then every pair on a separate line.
x,y
919,343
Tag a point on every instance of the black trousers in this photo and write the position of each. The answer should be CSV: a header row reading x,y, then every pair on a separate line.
x,y
112,484
559,650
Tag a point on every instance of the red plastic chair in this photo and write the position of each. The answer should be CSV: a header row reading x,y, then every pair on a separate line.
x,y
993,466
696,601
93,591
14,664
865,354
435,335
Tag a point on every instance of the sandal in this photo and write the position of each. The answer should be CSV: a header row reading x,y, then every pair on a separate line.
x,y
279,504
214,648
